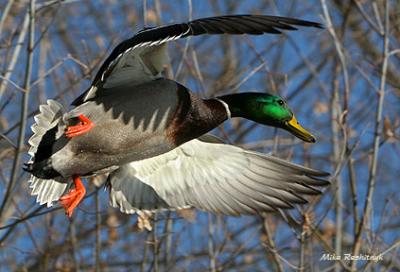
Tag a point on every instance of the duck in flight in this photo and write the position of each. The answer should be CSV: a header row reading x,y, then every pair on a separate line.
x,y
149,134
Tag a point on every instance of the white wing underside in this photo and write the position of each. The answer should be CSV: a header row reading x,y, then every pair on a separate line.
x,y
138,65
219,178
130,194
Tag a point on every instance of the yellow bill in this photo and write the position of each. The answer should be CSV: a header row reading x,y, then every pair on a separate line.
x,y
297,130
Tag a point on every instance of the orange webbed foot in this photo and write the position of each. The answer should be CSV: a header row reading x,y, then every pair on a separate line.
x,y
84,126
74,196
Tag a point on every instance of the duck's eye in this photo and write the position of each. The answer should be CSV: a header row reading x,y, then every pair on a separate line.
x,y
280,102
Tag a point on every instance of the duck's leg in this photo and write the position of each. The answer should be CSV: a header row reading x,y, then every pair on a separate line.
x,y
84,126
74,196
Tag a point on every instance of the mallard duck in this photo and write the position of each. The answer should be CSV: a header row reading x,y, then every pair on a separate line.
x,y
149,134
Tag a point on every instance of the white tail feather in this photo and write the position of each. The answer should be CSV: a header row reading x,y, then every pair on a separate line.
x,y
46,190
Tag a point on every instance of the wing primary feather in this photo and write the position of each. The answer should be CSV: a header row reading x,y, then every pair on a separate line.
x,y
267,199
273,192
227,199
229,24
211,197
252,201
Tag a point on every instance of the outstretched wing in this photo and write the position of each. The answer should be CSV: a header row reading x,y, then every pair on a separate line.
x,y
221,178
130,194
143,57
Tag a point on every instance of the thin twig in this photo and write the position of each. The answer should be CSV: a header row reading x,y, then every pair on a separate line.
x,y
24,108
98,233
5,14
272,246
8,140
367,18
155,242
168,241
14,59
377,135
74,245
338,157
145,23
180,66
211,251
143,263
13,83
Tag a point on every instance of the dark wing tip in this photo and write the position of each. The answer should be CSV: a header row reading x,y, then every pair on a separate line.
x,y
28,167
319,178
315,24
321,182
299,22
287,21
325,174
322,174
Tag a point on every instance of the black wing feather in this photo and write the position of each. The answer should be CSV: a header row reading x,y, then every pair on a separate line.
x,y
228,24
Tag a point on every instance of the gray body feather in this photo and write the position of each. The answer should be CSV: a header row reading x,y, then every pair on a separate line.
x,y
129,125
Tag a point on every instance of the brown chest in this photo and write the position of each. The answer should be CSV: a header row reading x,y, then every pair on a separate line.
x,y
194,117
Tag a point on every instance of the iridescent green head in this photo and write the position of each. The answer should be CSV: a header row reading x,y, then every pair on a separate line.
x,y
266,109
